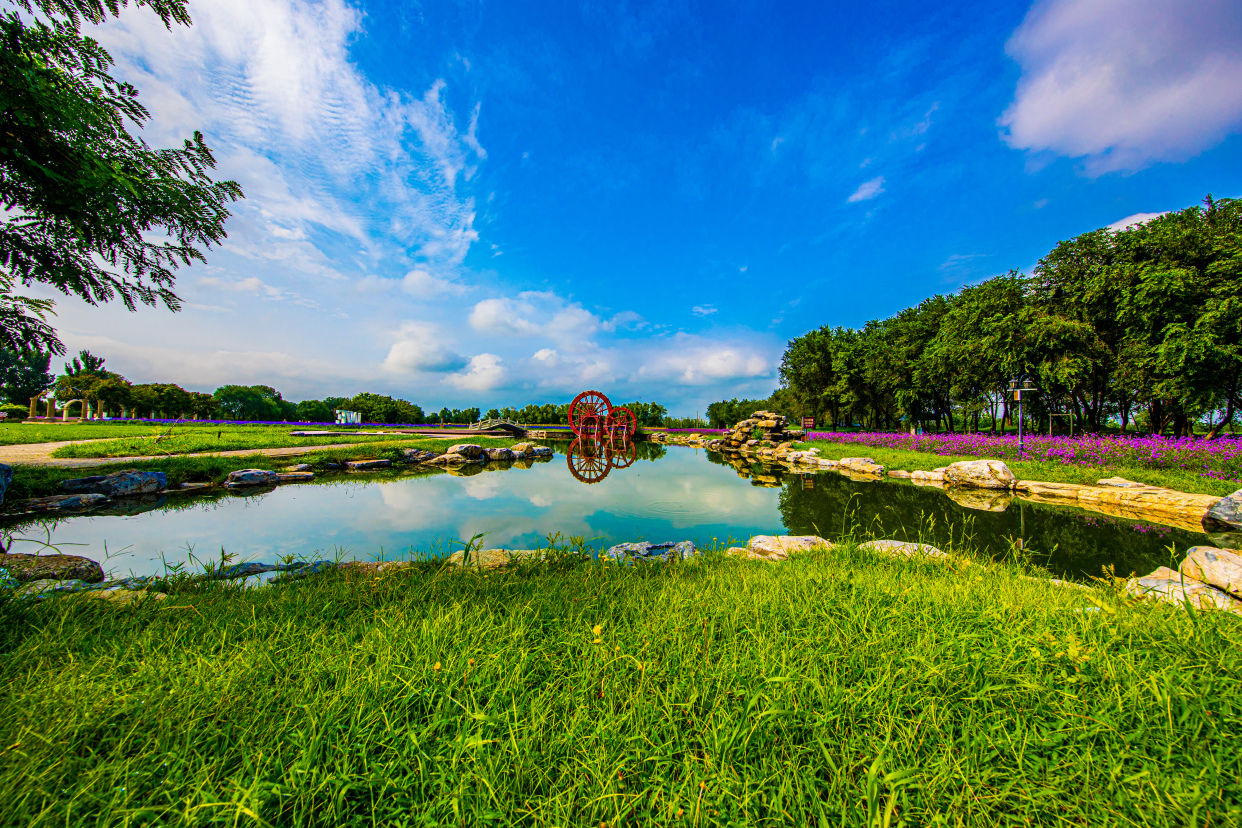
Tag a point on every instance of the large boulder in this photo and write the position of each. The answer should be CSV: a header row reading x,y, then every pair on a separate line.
x,y
903,548
6,477
467,450
1225,515
861,465
499,455
982,500
118,484
980,474
1216,567
64,504
540,451
25,568
493,558
1175,588
251,477
780,547
367,465
415,455
647,551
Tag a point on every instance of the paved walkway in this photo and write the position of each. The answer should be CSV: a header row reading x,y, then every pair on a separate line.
x,y
40,454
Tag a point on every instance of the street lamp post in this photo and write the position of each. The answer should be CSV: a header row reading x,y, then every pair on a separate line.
x,y
1017,385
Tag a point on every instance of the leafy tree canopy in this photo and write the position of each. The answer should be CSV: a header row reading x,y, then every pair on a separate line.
x,y
24,374
89,208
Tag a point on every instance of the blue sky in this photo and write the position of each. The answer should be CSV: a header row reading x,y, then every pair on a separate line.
x,y
468,203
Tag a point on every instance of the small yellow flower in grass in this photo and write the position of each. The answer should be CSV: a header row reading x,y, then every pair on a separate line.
x,y
470,662
436,667
597,631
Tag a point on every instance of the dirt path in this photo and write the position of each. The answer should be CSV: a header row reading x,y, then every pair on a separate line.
x,y
40,454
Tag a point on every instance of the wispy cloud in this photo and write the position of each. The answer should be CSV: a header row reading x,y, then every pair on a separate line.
x,y
1124,83
1130,221
703,310
868,190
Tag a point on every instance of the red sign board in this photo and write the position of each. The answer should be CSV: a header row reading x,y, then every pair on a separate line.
x,y
808,423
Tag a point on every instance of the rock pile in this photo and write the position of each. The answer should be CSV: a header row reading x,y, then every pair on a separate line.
x,y
1209,578
770,425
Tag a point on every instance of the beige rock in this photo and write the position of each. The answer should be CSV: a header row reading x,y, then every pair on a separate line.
x,y
493,558
1121,483
980,474
295,477
900,474
861,465
780,547
468,450
909,550
367,465
926,478
1219,568
523,449
1175,588
983,500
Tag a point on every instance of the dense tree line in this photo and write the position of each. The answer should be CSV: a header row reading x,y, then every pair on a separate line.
x,y
25,375
1139,327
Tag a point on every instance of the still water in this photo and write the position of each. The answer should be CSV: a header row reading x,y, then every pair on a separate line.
x,y
668,493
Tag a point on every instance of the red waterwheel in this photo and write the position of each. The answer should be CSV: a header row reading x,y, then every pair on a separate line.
x,y
586,462
585,405
621,424
624,455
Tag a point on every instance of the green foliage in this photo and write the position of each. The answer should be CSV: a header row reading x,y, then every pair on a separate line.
x,y
249,402
24,374
1110,322
315,411
14,412
85,195
380,408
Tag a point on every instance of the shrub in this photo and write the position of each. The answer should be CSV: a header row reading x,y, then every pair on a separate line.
x,y
14,412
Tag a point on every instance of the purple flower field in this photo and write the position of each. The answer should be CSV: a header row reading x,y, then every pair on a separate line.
x,y
1219,459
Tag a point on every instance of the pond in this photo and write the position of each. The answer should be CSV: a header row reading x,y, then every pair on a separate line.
x,y
668,493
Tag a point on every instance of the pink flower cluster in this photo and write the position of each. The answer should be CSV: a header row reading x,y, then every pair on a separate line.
x,y
1220,459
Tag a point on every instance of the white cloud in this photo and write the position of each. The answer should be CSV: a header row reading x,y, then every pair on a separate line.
x,y
868,190
543,314
1124,83
703,310
484,373
695,361
1137,218
420,283
419,348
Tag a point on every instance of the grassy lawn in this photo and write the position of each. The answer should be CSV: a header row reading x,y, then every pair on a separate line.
x,y
186,439
836,689
1178,479
40,481
19,433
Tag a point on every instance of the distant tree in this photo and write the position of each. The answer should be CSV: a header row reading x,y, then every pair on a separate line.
x,y
84,363
113,394
24,374
380,408
203,406
82,192
249,402
315,411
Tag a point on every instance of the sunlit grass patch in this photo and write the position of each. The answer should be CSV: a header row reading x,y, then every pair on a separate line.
x,y
834,688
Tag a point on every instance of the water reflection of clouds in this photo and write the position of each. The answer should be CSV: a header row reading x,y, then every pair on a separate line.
x,y
681,496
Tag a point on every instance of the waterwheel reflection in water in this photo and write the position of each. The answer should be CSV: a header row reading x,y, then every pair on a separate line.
x,y
590,460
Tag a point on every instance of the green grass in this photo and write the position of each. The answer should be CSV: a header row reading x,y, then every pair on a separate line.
x,y
20,434
41,481
1179,480
187,439
839,688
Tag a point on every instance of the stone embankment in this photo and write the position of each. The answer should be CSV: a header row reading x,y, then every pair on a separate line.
x,y
132,486
988,485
